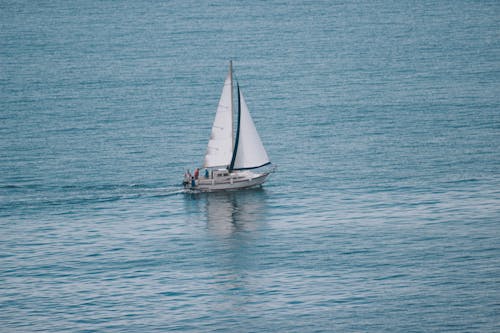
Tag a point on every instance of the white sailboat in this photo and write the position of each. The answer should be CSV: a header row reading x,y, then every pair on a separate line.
x,y
231,161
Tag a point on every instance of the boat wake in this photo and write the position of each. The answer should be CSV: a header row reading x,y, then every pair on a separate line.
x,y
34,197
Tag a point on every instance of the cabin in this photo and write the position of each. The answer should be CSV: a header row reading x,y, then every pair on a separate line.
x,y
220,173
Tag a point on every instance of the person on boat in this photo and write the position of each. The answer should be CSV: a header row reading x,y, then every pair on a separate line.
x,y
193,182
196,173
206,173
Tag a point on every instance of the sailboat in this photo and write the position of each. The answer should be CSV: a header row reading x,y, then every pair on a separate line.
x,y
231,161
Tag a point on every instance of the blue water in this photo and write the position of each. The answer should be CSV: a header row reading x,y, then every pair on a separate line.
x,y
382,116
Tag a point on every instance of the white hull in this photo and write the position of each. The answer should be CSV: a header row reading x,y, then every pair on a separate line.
x,y
232,181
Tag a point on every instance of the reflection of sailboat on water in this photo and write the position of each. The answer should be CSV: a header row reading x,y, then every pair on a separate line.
x,y
232,212
235,223
231,161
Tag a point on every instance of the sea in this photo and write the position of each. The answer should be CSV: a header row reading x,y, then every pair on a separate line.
x,y
381,117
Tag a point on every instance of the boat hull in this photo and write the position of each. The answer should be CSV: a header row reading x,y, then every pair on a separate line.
x,y
234,181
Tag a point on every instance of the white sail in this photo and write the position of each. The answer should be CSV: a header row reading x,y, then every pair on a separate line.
x,y
220,146
249,152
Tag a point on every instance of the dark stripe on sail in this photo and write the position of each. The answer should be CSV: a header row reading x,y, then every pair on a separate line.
x,y
235,151
250,168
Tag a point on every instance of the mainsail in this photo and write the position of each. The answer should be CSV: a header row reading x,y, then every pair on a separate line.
x,y
220,146
249,152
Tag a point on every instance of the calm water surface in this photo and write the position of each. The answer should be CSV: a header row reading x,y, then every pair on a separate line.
x,y
383,118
